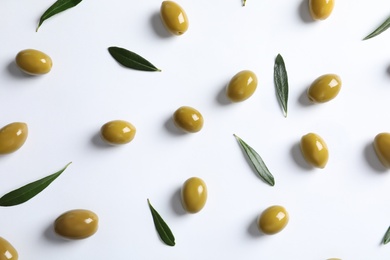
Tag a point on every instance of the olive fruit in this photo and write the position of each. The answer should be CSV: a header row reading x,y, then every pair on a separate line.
x,y
320,9
382,148
174,17
12,137
188,119
324,88
7,251
76,224
314,150
117,132
193,194
33,62
273,220
241,86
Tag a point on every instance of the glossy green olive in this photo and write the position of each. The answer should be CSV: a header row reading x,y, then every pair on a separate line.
x,y
324,88
241,86
174,17
273,220
33,62
12,137
117,132
188,119
194,194
76,224
382,148
314,150
320,9
7,251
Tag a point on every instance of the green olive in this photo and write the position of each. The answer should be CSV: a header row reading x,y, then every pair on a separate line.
x,y
33,62
314,150
7,251
193,194
382,148
174,17
76,224
320,9
188,119
117,132
12,137
273,220
241,86
324,88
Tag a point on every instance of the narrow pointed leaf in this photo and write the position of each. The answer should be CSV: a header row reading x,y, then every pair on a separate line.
x,y
281,82
162,228
383,27
57,7
386,238
257,162
29,191
131,60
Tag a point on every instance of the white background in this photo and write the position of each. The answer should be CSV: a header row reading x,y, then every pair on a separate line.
x,y
341,211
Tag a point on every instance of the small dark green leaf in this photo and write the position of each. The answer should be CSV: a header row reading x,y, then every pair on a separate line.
x,y
57,7
281,82
162,228
131,60
386,238
29,191
383,27
257,162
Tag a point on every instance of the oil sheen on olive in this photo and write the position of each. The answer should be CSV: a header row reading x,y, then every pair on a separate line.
x,y
320,9
382,148
174,17
12,137
117,132
33,62
7,251
194,194
314,150
241,86
188,119
273,220
76,224
324,88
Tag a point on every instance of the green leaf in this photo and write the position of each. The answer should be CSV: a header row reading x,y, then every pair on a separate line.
x,y
281,82
386,238
383,27
29,191
257,162
162,228
57,7
131,60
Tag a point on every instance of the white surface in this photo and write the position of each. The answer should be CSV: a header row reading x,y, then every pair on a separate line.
x,y
341,211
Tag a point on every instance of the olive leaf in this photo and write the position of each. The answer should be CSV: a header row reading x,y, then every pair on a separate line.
x,y
162,228
383,27
57,7
386,238
131,60
281,82
29,191
257,162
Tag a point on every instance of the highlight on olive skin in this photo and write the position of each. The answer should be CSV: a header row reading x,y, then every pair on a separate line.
x,y
321,9
76,224
324,88
7,251
314,150
193,195
382,148
241,86
33,62
273,220
188,119
174,17
12,137
117,132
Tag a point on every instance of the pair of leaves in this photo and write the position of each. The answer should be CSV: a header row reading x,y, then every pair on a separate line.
x,y
29,191
131,60
162,228
383,27
57,7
